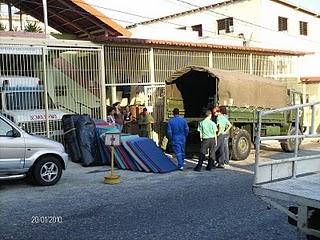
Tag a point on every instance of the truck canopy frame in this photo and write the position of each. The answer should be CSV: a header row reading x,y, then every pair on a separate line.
x,y
224,87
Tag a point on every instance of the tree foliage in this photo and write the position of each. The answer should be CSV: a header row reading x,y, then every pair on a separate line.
x,y
2,26
32,27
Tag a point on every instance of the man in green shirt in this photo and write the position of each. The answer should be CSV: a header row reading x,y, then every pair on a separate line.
x,y
224,126
207,129
226,134
145,124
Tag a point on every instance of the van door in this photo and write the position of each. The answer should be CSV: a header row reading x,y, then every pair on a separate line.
x,y
12,148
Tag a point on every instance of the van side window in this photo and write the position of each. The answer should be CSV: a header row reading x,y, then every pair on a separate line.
x,y
4,128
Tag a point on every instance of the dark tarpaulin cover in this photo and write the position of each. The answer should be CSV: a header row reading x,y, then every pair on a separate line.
x,y
105,155
70,137
88,141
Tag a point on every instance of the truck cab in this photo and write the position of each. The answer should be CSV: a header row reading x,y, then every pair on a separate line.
x,y
22,100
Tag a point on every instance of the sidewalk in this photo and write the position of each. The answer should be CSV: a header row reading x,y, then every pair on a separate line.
x,y
311,140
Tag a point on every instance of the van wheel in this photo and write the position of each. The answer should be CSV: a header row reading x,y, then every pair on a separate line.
x,y
241,144
288,144
47,171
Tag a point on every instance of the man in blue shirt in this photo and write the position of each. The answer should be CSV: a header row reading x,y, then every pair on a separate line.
x,y
177,131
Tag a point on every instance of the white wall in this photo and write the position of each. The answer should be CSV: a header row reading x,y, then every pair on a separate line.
x,y
290,39
208,19
263,32
163,33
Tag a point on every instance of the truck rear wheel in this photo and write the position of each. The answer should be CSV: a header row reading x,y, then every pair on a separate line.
x,y
288,145
241,144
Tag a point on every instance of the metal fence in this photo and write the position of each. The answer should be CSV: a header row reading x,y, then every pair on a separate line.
x,y
150,66
40,84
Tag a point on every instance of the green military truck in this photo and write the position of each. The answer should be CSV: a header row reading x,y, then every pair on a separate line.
x,y
194,88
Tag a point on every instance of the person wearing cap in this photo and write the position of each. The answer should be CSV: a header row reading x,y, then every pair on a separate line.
x,y
224,126
177,131
207,129
145,124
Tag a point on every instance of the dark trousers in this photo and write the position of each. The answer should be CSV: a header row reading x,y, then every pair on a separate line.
x,y
220,150
207,144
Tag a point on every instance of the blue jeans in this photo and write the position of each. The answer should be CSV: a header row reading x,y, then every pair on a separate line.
x,y
226,148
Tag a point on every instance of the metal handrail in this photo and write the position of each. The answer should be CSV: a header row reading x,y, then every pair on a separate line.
x,y
285,109
296,136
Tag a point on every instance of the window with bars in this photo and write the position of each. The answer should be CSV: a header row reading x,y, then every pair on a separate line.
x,y
282,24
303,28
197,28
225,25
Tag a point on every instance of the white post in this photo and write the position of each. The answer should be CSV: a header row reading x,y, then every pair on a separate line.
x,y
151,66
210,59
103,86
113,95
250,63
45,16
46,102
10,16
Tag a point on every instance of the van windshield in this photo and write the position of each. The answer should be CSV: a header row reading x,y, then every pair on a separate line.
x,y
26,101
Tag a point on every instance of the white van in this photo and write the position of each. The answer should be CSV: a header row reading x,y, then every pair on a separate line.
x,y
22,154
22,101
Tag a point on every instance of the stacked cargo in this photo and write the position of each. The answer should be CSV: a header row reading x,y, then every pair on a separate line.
x,y
141,154
84,139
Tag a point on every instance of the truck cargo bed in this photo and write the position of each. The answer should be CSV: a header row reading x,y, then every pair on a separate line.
x,y
291,179
303,190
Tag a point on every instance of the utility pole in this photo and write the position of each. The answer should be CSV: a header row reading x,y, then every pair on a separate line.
x,y
10,16
45,16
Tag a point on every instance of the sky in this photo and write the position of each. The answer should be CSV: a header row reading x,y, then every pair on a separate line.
x,y
143,10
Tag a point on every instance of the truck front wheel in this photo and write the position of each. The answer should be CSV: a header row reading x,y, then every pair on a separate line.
x,y
241,144
289,144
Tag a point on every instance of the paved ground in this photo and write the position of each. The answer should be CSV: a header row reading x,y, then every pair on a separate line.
x,y
178,205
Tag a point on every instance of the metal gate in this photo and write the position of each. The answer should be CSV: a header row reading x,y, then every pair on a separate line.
x,y
40,84
155,102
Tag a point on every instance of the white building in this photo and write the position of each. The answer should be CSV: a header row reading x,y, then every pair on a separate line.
x,y
274,24
256,23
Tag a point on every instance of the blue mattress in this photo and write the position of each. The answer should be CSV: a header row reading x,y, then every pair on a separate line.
x,y
135,156
150,152
141,154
